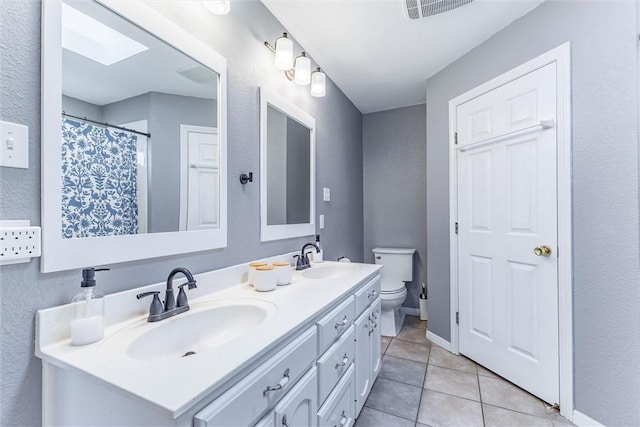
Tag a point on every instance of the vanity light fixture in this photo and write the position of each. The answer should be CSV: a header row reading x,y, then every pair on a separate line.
x,y
284,53
318,83
299,70
218,7
302,70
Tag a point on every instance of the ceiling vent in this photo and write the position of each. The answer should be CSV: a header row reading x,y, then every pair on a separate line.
x,y
417,9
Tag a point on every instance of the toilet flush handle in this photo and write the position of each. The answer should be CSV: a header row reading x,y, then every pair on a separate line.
x,y
378,257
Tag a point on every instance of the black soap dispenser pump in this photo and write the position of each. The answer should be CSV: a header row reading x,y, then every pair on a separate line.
x,y
318,256
87,324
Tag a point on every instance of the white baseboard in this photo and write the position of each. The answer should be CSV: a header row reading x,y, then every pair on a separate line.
x,y
438,340
581,420
410,311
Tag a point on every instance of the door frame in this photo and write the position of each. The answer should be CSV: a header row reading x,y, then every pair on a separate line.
x,y
561,56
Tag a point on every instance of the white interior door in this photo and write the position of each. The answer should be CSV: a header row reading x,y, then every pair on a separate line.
x,y
199,209
507,207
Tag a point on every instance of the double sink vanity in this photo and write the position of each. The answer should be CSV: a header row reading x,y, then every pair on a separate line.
x,y
305,354
302,355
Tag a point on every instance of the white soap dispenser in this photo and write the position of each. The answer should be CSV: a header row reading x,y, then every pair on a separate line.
x,y
87,324
318,256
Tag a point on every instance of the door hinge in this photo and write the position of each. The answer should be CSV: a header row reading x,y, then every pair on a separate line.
x,y
457,317
455,138
456,228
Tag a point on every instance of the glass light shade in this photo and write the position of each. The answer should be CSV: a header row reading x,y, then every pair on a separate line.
x,y
219,7
284,53
318,83
303,70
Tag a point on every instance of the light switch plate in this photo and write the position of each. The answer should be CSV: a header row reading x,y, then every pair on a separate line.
x,y
14,145
321,222
326,194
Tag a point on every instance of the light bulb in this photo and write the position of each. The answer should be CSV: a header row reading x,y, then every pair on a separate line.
x,y
303,70
318,83
284,53
219,7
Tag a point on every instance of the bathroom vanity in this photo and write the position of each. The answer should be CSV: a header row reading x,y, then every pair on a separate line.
x,y
305,354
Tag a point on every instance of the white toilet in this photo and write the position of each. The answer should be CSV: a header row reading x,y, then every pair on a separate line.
x,y
398,268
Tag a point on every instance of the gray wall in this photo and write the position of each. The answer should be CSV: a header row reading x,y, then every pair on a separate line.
x,y
605,187
298,173
339,136
276,167
77,107
394,151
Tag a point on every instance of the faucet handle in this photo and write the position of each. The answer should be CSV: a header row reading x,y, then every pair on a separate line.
x,y
156,304
182,300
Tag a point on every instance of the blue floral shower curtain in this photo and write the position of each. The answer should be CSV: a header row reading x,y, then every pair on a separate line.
x,y
99,169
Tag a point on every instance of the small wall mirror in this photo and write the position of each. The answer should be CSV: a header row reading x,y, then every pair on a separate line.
x,y
134,136
287,169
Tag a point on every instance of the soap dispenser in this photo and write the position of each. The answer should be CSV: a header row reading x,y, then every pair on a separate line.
x,y
87,324
318,256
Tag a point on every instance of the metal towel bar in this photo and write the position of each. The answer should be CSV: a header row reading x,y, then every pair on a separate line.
x,y
541,125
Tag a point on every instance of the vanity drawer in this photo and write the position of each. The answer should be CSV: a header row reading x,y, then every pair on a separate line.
x,y
335,362
243,403
367,294
331,326
339,410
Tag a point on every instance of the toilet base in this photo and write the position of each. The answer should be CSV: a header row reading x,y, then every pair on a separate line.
x,y
391,322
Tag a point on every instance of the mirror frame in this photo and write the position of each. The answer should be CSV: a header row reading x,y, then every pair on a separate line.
x,y
63,254
285,231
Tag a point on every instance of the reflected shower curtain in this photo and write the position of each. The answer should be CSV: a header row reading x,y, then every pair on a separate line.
x,y
99,181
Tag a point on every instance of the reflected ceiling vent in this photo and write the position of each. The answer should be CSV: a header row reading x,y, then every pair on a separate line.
x,y
198,74
417,9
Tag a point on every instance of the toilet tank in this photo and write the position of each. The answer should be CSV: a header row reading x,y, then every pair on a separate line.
x,y
398,263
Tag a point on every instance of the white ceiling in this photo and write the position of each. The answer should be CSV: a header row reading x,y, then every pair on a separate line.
x,y
380,58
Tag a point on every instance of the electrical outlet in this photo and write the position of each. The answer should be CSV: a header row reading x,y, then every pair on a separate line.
x,y
18,242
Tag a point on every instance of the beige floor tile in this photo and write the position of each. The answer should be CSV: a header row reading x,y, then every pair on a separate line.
x,y
409,350
443,410
453,382
498,417
443,358
415,322
409,333
486,373
501,393
385,343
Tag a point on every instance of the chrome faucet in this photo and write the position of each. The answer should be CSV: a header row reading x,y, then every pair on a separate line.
x,y
172,306
303,260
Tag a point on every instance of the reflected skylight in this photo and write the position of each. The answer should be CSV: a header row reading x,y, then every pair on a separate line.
x,y
92,39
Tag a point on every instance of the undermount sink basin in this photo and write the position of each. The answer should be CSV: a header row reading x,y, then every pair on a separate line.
x,y
327,272
195,331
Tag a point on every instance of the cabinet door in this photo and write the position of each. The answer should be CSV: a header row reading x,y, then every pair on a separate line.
x,y
299,407
363,360
376,339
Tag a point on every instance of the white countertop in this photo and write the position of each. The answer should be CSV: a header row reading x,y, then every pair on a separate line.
x,y
174,385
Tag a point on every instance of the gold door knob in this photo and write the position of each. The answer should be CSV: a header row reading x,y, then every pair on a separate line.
x,y
543,250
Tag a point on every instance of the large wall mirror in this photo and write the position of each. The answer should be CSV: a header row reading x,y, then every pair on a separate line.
x,y
134,136
287,169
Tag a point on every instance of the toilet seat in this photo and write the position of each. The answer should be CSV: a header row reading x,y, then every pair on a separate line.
x,y
394,292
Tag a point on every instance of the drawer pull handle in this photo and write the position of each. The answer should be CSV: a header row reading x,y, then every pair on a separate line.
x,y
283,382
344,322
372,294
345,361
284,421
343,420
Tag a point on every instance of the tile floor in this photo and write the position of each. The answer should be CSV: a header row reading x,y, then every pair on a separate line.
x,y
421,384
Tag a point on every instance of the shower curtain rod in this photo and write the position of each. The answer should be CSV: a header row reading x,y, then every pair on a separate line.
x,y
148,135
